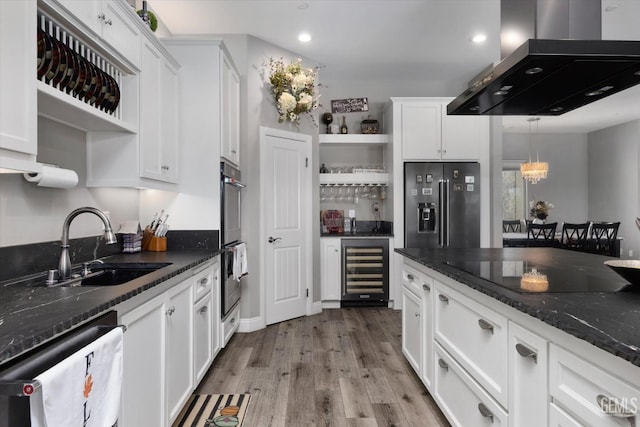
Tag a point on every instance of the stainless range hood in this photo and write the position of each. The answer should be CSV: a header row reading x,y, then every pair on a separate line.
x,y
551,77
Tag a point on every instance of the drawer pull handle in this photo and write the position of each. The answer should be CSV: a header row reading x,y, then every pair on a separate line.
x,y
170,311
410,277
485,412
443,298
443,364
525,351
612,407
204,281
426,287
485,325
417,314
204,309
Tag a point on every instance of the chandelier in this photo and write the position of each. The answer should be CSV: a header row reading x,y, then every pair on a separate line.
x,y
534,171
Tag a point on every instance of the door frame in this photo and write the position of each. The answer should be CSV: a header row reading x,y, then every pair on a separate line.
x,y
307,199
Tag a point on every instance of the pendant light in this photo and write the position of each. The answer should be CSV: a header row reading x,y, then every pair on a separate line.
x,y
534,171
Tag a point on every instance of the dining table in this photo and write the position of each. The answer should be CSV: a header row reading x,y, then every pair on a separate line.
x,y
519,240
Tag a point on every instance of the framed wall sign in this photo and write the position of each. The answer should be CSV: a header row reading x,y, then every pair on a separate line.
x,y
350,105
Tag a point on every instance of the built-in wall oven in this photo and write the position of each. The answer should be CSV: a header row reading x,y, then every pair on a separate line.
x,y
365,272
230,234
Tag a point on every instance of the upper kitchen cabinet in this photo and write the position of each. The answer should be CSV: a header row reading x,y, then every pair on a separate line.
x,y
426,132
230,110
18,106
209,101
111,21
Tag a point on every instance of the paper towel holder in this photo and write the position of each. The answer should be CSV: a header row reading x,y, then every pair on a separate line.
x,y
52,176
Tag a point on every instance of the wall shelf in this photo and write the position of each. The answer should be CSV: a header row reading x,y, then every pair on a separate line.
x,y
355,138
354,178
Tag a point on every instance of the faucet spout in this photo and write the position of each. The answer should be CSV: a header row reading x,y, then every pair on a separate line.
x,y
64,265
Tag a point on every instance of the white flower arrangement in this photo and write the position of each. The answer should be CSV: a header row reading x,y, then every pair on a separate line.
x,y
293,88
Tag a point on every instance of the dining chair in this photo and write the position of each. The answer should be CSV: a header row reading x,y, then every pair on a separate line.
x,y
603,237
574,236
541,234
512,226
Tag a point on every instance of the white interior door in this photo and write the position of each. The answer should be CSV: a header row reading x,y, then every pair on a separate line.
x,y
285,183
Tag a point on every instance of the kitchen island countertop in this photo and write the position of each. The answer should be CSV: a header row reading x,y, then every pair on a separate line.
x,y
608,320
32,315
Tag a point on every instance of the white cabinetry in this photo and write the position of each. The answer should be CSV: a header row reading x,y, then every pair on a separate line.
x,y
412,325
528,363
589,393
179,347
428,133
330,269
206,318
230,111
108,19
143,379
18,114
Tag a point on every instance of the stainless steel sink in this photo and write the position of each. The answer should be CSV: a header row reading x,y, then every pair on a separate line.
x,y
117,274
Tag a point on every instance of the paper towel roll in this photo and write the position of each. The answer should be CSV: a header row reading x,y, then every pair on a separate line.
x,y
53,177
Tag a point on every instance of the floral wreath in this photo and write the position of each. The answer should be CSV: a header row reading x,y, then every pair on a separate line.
x,y
293,89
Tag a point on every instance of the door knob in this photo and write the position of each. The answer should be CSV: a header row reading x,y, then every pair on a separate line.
x,y
274,239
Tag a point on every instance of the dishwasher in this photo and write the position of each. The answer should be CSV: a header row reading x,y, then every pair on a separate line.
x,y
16,376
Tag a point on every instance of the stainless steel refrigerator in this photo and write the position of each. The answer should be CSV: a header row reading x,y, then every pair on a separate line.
x,y
441,205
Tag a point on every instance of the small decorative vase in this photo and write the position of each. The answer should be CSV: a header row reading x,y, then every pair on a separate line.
x,y
538,221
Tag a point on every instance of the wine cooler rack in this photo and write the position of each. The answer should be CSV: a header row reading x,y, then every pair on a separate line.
x,y
365,272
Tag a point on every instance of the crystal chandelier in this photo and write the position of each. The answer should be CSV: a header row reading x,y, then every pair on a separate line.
x,y
534,171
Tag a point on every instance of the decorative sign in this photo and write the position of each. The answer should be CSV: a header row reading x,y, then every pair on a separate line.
x,y
351,105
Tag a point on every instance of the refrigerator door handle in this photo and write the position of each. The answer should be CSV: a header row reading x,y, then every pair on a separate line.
x,y
446,227
441,241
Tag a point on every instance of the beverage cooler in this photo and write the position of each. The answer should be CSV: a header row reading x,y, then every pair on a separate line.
x,y
365,272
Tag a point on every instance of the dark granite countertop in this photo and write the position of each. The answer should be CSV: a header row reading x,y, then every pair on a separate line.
x,y
363,233
31,315
608,320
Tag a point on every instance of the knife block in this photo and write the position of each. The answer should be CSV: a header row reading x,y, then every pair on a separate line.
x,y
153,243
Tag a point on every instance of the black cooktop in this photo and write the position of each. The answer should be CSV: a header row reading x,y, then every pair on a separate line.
x,y
530,277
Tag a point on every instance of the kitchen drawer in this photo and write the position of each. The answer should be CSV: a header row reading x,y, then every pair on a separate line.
x,y
559,418
230,325
475,336
461,399
578,386
202,282
203,337
414,280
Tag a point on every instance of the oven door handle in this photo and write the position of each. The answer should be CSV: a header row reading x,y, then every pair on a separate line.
x,y
232,181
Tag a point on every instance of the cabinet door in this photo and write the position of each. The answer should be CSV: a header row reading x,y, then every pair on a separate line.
x,y
230,111
87,12
330,279
202,336
421,130
216,318
150,125
528,390
462,136
169,122
119,29
18,116
412,329
427,332
143,377
179,367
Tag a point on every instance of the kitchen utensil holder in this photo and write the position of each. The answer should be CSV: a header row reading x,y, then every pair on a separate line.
x,y
153,243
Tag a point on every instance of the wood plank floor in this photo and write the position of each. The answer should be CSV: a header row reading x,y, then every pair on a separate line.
x,y
343,367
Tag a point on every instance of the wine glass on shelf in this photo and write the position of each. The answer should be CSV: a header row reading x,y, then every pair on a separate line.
x,y
349,197
340,195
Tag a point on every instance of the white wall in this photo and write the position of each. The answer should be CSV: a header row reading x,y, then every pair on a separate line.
x,y
567,183
614,181
32,214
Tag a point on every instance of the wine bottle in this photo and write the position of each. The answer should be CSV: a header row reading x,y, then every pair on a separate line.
x,y
343,126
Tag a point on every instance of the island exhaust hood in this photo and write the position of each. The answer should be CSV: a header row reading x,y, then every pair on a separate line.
x,y
549,77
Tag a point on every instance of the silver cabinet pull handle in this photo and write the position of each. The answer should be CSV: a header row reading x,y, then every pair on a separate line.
x,y
426,287
443,298
611,407
484,411
274,239
171,310
485,325
204,309
443,364
110,22
102,17
204,281
525,351
410,277
417,314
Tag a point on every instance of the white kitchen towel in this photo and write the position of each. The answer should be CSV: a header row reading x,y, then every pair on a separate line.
x,y
240,265
84,389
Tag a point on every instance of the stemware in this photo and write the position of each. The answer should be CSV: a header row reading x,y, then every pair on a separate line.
x,y
349,197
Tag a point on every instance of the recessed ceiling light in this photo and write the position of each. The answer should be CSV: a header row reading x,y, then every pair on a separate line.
x,y
303,6
304,37
479,38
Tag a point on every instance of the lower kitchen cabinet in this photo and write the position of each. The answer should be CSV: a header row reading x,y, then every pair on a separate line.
x,y
330,275
143,382
412,324
528,364
179,346
203,336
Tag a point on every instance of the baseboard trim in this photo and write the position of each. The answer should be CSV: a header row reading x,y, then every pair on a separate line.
x,y
316,308
251,324
331,304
